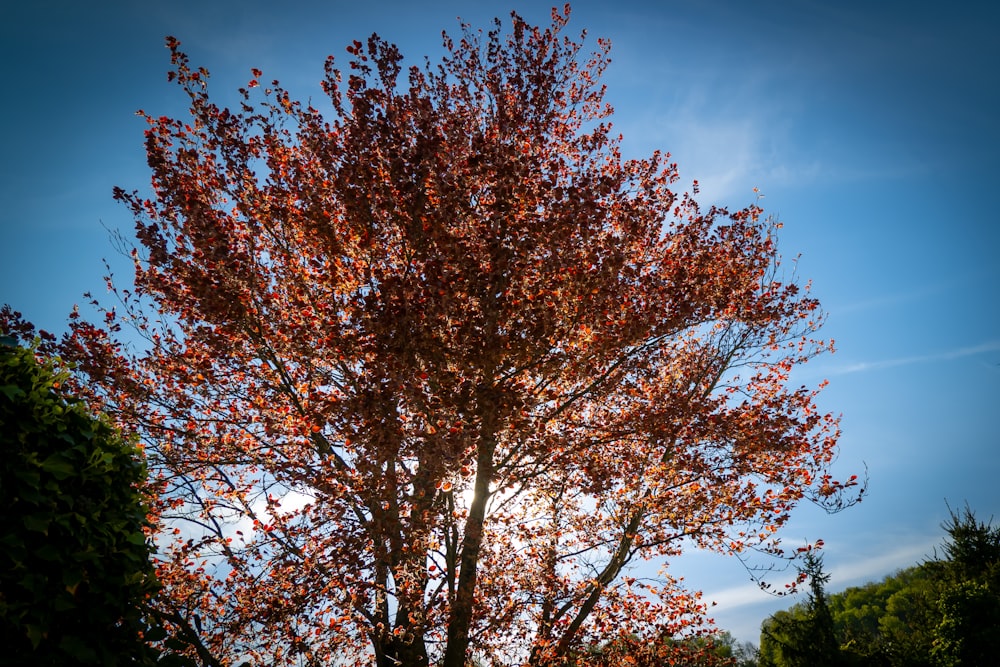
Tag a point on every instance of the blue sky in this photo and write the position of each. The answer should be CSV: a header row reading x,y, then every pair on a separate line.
x,y
870,127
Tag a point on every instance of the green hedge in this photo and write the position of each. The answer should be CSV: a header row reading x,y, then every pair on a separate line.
x,y
74,562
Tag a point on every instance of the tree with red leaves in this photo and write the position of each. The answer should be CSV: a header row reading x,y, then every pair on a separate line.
x,y
425,374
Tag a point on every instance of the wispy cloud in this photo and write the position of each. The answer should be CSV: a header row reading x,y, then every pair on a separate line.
x,y
948,355
741,609
871,568
884,301
729,149
875,567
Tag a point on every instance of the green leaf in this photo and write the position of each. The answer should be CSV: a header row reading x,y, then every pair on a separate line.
x,y
79,649
29,478
137,538
36,523
58,466
64,603
71,578
36,634
48,552
12,391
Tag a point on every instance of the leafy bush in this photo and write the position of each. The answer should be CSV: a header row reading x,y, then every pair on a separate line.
x,y
74,561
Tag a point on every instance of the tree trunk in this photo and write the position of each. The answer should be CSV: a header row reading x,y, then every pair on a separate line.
x,y
465,594
403,652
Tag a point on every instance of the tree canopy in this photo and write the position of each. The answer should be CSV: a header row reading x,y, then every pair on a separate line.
x,y
420,376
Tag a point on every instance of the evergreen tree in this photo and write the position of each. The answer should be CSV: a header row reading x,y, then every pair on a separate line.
x,y
805,636
970,599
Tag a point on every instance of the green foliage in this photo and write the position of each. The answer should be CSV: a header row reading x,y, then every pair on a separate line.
x,y
805,635
968,632
74,561
738,654
942,613
888,622
972,550
969,602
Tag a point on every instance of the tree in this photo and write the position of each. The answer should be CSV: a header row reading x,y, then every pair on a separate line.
x,y
972,550
805,635
424,375
889,622
74,568
970,598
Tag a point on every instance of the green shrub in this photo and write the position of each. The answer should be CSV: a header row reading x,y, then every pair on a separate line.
x,y
74,562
